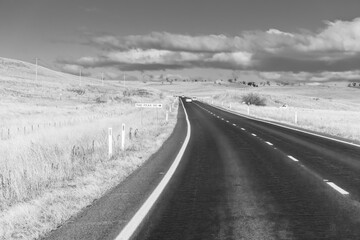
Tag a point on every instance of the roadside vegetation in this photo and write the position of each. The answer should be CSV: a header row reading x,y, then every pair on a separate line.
x,y
54,145
339,120
254,99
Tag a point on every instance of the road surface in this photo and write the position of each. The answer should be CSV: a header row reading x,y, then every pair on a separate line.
x,y
238,179
244,179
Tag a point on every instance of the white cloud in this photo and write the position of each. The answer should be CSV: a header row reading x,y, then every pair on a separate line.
x,y
236,58
278,32
342,36
334,48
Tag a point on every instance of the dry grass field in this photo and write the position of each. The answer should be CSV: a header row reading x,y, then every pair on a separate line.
x,y
54,143
328,109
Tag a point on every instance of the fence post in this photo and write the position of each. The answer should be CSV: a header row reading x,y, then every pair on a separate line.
x,y
296,117
230,105
123,137
167,116
110,143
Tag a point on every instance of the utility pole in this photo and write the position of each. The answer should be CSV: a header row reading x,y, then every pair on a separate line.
x,y
124,80
80,77
36,69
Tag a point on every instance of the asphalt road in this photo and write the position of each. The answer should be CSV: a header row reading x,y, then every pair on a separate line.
x,y
238,179
244,179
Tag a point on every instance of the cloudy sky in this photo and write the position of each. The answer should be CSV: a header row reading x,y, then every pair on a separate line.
x,y
278,39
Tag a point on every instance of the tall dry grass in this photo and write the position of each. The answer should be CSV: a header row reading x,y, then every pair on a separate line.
x,y
340,123
72,162
49,157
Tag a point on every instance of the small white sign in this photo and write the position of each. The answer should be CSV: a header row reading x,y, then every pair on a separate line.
x,y
149,105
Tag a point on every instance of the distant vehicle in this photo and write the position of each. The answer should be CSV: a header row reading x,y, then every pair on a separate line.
x,y
188,100
194,98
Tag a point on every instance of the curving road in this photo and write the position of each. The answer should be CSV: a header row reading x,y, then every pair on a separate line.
x,y
239,178
246,179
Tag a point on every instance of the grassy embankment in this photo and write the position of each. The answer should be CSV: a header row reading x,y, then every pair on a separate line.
x,y
51,171
337,116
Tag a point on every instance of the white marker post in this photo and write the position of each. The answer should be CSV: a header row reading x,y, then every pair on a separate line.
x,y
296,117
167,116
248,110
230,105
123,137
110,142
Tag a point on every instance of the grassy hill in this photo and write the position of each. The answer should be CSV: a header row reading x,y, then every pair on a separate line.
x,y
54,157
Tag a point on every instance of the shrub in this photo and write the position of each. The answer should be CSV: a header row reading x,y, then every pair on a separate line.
x,y
77,90
254,99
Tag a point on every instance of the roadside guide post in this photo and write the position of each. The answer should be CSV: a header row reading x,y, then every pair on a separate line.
x,y
296,117
123,137
110,142
167,116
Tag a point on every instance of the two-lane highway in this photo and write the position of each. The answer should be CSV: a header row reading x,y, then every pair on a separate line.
x,y
238,178
245,179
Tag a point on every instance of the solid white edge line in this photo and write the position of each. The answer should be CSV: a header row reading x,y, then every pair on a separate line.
x,y
279,125
269,143
337,188
292,158
136,220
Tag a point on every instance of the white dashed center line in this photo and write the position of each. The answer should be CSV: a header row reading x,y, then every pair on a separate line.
x,y
269,143
337,188
234,124
253,134
243,129
292,158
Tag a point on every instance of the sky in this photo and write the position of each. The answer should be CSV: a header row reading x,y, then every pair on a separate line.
x,y
313,40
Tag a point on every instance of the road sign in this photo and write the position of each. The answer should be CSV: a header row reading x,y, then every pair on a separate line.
x,y
149,105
